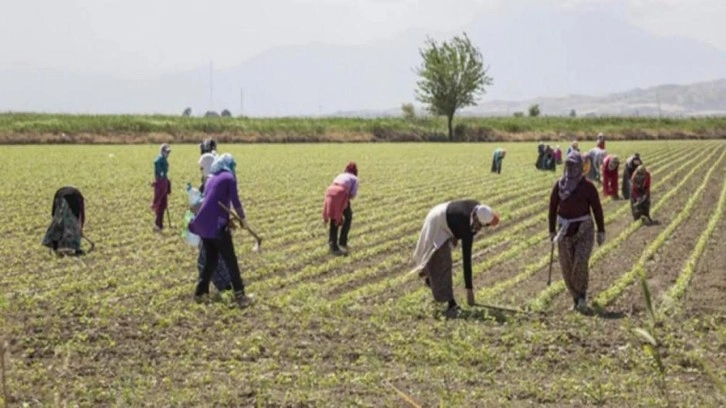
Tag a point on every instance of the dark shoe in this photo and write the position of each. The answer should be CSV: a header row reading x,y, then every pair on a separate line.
x,y
452,312
337,252
243,300
344,248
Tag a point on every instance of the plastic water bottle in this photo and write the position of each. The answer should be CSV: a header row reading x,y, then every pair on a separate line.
x,y
194,198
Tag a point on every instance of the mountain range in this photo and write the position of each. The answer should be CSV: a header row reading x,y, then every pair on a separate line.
x,y
534,56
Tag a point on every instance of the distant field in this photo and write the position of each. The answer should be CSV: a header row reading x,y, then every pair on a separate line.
x,y
41,128
118,327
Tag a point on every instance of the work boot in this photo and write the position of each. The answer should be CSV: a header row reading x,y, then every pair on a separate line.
x,y
334,250
581,305
242,300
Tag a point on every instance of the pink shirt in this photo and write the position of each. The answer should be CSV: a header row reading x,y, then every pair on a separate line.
x,y
349,181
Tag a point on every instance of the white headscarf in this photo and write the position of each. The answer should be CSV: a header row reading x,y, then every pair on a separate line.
x,y
205,163
484,213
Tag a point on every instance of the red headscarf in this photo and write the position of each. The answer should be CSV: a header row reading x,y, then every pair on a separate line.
x,y
352,169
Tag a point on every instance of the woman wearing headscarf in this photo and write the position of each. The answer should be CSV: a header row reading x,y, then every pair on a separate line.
x,y
573,198
445,224
558,155
609,176
208,149
337,210
628,170
600,141
640,195
573,147
162,185
66,227
213,225
497,159
598,156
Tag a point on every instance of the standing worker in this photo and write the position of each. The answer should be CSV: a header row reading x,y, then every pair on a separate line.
x,y
68,218
600,141
208,150
597,155
162,186
337,209
628,170
609,175
572,199
213,226
445,224
497,159
640,195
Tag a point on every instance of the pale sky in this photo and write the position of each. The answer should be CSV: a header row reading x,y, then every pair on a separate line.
x,y
140,38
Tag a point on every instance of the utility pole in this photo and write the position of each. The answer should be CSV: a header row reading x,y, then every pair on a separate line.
x,y
211,85
241,102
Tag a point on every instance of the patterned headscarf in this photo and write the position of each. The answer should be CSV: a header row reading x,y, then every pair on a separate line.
x,y
224,162
639,175
614,163
573,175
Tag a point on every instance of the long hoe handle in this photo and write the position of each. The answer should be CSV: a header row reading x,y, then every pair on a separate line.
x,y
236,217
552,254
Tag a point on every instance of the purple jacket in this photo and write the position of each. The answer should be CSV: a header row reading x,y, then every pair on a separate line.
x,y
211,218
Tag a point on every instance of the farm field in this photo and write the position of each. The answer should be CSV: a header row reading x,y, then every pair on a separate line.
x,y
119,327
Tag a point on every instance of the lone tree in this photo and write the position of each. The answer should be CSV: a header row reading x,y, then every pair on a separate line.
x,y
187,112
534,110
452,76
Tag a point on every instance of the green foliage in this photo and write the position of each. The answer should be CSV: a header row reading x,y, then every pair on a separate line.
x,y
452,76
409,111
533,111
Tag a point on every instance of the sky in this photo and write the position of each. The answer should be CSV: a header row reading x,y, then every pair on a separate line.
x,y
143,38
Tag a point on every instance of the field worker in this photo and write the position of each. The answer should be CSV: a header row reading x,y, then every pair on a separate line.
x,y
597,155
208,149
540,156
574,146
572,199
445,224
162,185
212,224
497,159
628,170
66,228
558,154
609,175
600,141
549,162
640,195
337,209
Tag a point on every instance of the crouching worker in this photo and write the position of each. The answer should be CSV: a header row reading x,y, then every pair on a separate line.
x,y
66,227
572,199
640,195
631,164
445,224
609,174
497,159
213,226
337,209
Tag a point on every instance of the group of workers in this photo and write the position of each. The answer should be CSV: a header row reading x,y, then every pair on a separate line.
x,y
572,200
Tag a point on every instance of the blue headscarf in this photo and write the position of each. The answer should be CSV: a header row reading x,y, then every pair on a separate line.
x,y
224,162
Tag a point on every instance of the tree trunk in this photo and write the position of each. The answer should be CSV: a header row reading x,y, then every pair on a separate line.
x,y
451,129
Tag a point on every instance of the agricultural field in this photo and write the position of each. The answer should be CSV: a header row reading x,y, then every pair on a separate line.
x,y
119,327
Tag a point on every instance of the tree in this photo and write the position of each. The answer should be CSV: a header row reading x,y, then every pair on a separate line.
x,y
409,112
187,112
534,110
452,76
518,114
573,113
211,114
226,113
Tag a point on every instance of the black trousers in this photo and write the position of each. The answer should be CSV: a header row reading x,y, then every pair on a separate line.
x,y
333,239
214,248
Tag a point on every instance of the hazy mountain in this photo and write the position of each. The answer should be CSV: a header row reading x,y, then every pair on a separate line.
x,y
540,53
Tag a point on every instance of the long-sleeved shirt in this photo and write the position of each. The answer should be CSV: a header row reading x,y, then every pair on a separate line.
x,y
578,204
636,192
74,198
161,167
458,219
211,218
349,181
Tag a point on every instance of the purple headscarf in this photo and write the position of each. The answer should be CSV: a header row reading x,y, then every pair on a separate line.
x,y
573,175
